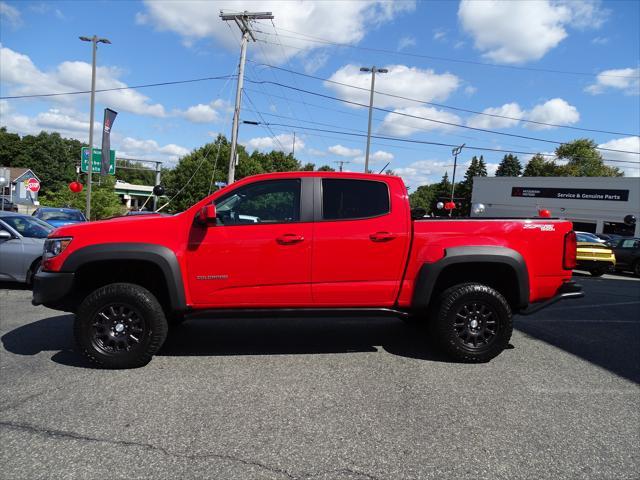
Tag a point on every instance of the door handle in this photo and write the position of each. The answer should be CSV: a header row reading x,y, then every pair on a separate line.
x,y
289,239
382,236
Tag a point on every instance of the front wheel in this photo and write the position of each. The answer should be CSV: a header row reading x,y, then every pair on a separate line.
x,y
120,325
473,322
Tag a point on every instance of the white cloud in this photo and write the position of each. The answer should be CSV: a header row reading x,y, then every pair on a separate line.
x,y
425,172
25,78
149,150
282,142
406,42
630,144
205,113
68,122
439,34
626,80
402,126
342,22
423,84
556,111
316,153
10,14
519,31
344,151
507,110
600,40
470,90
379,156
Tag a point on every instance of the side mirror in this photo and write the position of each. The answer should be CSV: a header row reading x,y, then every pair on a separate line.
x,y
4,235
207,215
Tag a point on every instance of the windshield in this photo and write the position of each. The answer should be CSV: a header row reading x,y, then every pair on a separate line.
x,y
28,226
586,237
61,215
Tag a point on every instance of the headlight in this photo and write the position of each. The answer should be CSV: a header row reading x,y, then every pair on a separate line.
x,y
55,246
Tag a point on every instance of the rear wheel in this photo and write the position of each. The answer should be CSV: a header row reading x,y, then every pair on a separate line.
x,y
473,322
120,325
636,268
598,271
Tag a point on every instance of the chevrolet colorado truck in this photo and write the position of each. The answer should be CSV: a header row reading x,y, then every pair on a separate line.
x,y
303,243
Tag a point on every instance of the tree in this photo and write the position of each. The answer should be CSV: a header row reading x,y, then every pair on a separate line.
x,y
423,197
477,168
509,167
308,167
538,166
584,160
326,168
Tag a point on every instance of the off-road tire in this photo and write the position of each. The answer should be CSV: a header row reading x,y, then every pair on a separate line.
x,y
445,323
149,320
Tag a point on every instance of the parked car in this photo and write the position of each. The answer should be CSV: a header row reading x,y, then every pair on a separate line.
x,y
627,252
610,239
7,205
595,257
590,237
22,240
304,243
140,212
59,217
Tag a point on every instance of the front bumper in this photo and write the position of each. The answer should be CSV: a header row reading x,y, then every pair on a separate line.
x,y
52,289
567,291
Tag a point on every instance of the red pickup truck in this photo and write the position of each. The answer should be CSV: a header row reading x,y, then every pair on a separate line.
x,y
303,243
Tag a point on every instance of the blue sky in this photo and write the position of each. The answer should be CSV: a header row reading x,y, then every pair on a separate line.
x,y
489,57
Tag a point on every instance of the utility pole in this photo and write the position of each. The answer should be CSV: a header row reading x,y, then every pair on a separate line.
x,y
341,163
94,41
456,151
373,71
242,19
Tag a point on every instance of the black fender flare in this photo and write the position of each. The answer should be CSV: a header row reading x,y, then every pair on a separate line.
x,y
164,258
429,272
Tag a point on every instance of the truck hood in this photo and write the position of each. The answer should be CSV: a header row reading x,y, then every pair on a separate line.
x,y
142,228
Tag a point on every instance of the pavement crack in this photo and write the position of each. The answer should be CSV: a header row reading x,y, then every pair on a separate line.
x,y
55,433
22,400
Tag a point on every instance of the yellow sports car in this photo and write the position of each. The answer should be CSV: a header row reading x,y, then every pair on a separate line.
x,y
594,256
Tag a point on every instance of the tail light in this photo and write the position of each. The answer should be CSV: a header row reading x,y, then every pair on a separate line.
x,y
569,259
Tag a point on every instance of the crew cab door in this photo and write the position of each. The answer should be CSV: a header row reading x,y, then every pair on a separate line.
x,y
361,241
258,254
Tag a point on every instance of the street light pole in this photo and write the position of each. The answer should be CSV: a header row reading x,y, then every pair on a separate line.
x,y
243,20
373,71
456,151
94,44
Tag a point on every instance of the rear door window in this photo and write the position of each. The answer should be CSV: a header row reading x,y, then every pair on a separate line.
x,y
344,199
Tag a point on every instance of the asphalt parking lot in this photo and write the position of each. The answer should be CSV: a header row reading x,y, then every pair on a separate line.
x,y
328,399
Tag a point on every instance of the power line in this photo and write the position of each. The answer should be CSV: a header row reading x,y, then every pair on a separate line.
x,y
434,120
265,123
441,105
425,142
131,87
313,39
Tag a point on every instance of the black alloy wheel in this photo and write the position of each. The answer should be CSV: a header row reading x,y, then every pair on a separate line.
x,y
118,327
476,324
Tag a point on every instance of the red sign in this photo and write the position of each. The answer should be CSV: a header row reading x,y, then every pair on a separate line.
x,y
32,184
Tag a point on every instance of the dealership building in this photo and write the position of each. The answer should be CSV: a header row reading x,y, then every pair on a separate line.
x,y
593,204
